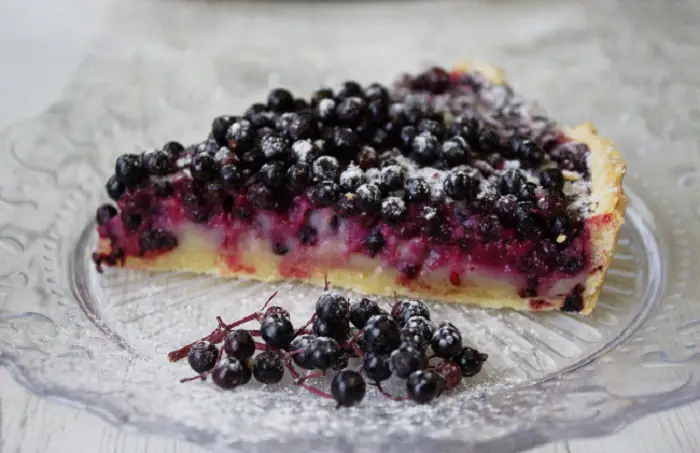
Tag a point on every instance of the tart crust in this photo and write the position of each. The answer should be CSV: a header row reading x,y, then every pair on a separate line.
x,y
200,254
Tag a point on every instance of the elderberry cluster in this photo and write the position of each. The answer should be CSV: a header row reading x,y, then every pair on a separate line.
x,y
402,344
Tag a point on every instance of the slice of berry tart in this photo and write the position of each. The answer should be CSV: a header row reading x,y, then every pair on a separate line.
x,y
444,186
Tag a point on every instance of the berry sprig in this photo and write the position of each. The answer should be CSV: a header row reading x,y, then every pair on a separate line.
x,y
403,343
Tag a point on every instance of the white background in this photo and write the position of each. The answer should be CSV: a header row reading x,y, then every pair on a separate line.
x,y
41,43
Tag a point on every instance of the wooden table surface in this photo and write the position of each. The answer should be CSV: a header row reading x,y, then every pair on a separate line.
x,y
29,424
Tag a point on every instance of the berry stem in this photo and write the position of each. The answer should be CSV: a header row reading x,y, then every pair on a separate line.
x,y
387,394
216,336
268,300
302,329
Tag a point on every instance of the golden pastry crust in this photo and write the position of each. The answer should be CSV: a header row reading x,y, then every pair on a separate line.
x,y
196,253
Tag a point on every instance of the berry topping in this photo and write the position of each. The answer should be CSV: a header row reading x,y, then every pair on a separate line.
x,y
454,151
332,307
350,111
173,149
202,356
298,176
230,373
351,178
272,174
348,388
436,80
325,193
407,309
423,386
392,177
231,177
240,135
425,148
220,126
261,196
376,367
105,213
277,330
347,89
239,344
460,185
338,329
115,188
158,163
275,147
367,158
268,368
157,240
281,100
511,182
203,168
470,361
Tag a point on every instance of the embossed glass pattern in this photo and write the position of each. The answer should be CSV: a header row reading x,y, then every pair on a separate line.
x,y
161,70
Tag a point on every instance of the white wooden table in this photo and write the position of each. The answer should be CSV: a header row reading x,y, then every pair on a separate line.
x,y
28,424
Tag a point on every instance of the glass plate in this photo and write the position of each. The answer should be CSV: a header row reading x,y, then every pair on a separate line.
x,y
162,70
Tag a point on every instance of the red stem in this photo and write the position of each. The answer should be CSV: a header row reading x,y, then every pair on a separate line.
x,y
387,394
268,300
302,329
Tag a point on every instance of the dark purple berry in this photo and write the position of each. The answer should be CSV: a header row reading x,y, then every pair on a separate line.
x,y
425,148
325,168
368,198
261,196
405,309
158,163
446,342
131,221
157,239
325,193
393,210
325,111
323,353
470,361
348,388
361,310
299,177
202,356
377,92
240,135
454,151
163,189
488,141
230,373
277,330
351,178
351,111
381,334
275,147
374,243
376,367
115,188
203,168
408,134
367,158
129,170
421,325
231,177
173,149
392,177
220,126
427,125
105,213
423,386
345,142
460,185
332,306
526,151
281,100
301,344
511,182
239,344
436,80
417,190
551,178
347,89
268,368
272,174
305,151
405,360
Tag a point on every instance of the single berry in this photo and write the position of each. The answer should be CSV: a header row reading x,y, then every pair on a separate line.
x,y
436,80
163,189
350,111
277,330
337,329
467,127
393,210
305,151
367,158
230,176
454,151
526,151
325,193
252,159
240,135
429,218
431,126
392,177
325,110
425,148
459,185
320,94
413,337
220,126
368,198
275,147
203,168
129,170
487,140
451,373
323,352
157,239
405,360
131,221
348,388
301,344
361,310
261,196
115,188
332,306
376,367
351,178
202,356
158,163
272,174
105,213
552,178
268,368
239,344
253,110
446,342
381,334
470,361
280,100
406,309
511,182
374,243
300,125
526,221
345,142
346,206
417,190
376,91
173,149
423,386
230,373
298,177
489,228
347,89
325,168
